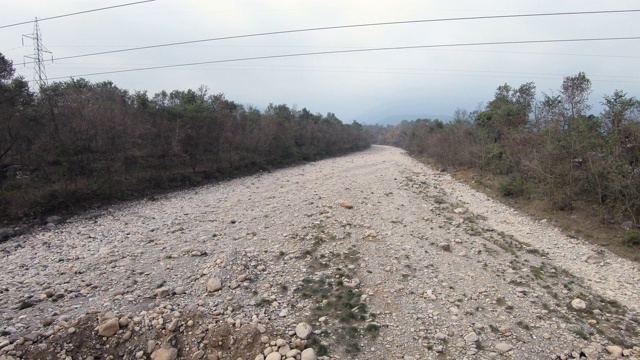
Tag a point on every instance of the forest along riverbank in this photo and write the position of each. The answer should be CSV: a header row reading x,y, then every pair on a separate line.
x,y
368,256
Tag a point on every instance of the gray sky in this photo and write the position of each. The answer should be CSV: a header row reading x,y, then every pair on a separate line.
x,y
367,86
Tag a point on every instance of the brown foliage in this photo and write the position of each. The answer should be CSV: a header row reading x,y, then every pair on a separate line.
x,y
78,143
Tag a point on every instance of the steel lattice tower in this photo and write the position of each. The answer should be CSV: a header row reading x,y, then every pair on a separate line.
x,y
40,73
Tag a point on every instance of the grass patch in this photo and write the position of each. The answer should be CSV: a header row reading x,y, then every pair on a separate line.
x,y
337,299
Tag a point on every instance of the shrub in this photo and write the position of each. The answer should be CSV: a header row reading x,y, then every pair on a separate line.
x,y
512,187
632,238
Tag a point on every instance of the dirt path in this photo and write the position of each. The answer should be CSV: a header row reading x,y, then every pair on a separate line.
x,y
411,265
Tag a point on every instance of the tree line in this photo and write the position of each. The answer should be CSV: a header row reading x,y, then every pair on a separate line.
x,y
551,148
75,143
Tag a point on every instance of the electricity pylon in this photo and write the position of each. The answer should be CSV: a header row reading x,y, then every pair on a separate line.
x,y
40,74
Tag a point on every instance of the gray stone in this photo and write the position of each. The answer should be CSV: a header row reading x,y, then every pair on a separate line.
x,y
162,292
32,336
151,345
594,259
574,328
628,225
445,246
6,233
214,284
55,220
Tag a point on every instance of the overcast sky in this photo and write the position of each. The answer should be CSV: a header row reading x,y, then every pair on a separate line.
x,y
367,86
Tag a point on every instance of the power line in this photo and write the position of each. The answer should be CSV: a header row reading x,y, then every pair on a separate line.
x,y
352,47
323,28
352,51
389,70
432,72
78,13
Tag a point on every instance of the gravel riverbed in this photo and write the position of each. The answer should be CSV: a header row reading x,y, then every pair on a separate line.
x,y
367,256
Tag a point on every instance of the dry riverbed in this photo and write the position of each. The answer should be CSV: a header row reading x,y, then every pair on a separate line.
x,y
367,256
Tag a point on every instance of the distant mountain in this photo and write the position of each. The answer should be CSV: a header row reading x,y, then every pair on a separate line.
x,y
392,114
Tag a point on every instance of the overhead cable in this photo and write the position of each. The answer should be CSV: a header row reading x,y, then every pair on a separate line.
x,y
77,13
324,28
352,51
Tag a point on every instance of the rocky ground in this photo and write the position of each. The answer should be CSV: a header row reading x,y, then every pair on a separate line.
x,y
367,256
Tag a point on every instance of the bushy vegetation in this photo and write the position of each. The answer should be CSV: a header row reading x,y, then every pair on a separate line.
x,y
76,143
550,149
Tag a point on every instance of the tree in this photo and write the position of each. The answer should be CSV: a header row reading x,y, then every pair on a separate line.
x,y
15,99
619,109
509,109
550,113
575,91
6,68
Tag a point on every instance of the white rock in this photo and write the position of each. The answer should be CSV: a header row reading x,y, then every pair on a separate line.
x,y
303,330
165,354
440,336
281,342
284,349
292,354
273,356
308,354
503,347
614,350
578,304
162,292
471,337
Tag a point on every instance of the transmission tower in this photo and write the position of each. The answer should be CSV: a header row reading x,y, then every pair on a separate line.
x,y
40,74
